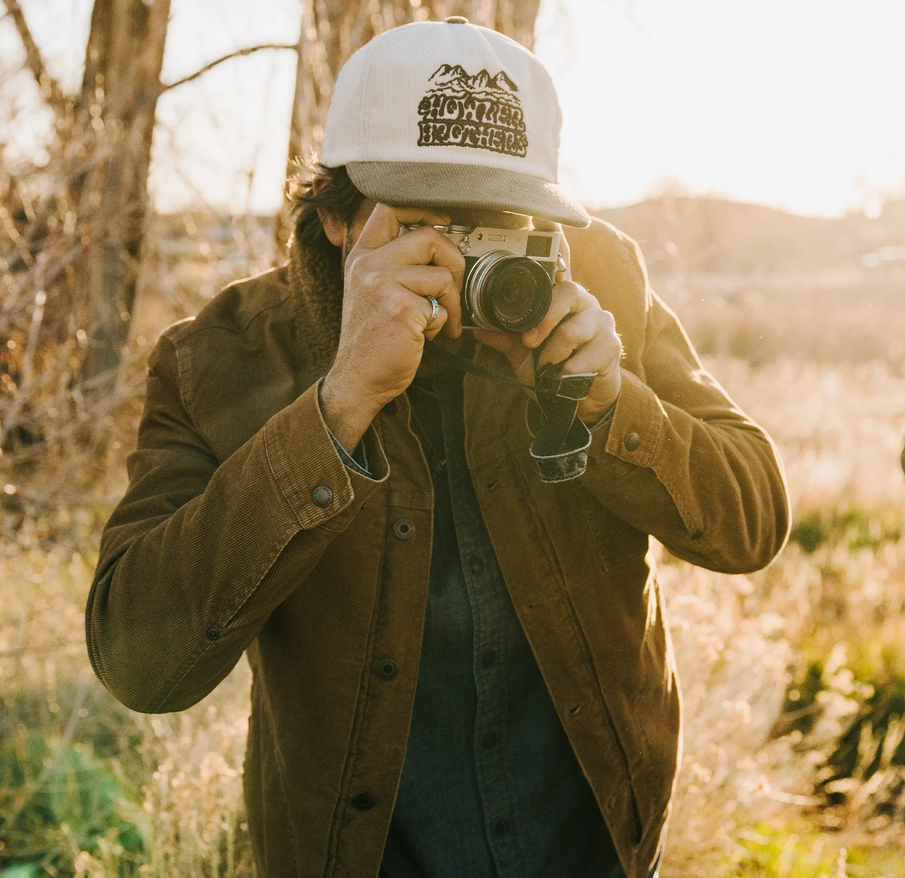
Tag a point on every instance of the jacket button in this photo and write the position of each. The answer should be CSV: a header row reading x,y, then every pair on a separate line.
x,y
362,802
489,741
403,528
322,496
213,634
386,668
632,441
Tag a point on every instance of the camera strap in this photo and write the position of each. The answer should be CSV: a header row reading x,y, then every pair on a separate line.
x,y
560,446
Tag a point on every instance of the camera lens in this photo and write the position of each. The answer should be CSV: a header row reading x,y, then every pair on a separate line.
x,y
509,292
518,293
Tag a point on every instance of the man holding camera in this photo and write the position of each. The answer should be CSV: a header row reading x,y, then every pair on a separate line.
x,y
414,474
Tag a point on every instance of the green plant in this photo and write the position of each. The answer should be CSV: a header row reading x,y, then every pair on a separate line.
x,y
58,799
855,527
798,851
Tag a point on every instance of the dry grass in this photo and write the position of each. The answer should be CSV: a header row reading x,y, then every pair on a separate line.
x,y
738,639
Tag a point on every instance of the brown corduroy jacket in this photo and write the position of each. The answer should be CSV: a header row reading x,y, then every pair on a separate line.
x,y
227,541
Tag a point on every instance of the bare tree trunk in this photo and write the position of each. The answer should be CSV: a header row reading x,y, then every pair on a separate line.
x,y
71,232
333,29
115,109
307,103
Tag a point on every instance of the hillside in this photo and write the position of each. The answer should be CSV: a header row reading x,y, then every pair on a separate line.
x,y
723,237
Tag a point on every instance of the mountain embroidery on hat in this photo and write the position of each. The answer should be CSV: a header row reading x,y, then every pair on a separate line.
x,y
478,112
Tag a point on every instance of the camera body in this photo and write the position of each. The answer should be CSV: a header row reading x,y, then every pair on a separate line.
x,y
509,275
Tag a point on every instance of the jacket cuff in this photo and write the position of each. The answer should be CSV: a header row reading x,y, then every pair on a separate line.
x,y
309,471
636,421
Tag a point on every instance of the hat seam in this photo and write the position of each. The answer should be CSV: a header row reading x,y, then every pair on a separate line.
x,y
366,77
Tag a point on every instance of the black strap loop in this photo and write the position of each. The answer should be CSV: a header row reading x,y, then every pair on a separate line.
x,y
560,447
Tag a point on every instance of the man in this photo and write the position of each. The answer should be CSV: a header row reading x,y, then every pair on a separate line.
x,y
461,663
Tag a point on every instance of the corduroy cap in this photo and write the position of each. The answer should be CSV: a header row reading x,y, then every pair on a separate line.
x,y
446,114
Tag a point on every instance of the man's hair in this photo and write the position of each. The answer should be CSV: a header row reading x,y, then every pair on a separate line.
x,y
338,195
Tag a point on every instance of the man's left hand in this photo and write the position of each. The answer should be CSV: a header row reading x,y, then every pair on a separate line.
x,y
577,333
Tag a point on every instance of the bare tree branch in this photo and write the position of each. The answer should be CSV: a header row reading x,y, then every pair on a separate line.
x,y
49,87
237,54
37,317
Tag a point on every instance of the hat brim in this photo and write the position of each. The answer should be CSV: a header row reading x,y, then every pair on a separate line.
x,y
443,185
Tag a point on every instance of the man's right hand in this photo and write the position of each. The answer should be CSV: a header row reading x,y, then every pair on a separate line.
x,y
388,278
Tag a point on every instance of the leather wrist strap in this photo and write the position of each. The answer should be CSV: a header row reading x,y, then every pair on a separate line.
x,y
560,446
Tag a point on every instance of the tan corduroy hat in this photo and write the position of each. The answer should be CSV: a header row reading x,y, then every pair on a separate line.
x,y
445,114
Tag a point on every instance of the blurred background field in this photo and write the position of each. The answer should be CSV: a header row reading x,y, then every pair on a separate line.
x,y
793,678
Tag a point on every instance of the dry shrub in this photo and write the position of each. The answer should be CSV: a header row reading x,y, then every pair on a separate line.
x,y
193,795
733,670
175,779
56,419
738,644
741,641
858,325
65,744
839,427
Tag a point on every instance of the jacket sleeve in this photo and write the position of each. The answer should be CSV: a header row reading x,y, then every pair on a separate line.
x,y
679,459
198,554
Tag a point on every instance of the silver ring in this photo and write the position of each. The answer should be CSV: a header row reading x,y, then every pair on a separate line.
x,y
435,310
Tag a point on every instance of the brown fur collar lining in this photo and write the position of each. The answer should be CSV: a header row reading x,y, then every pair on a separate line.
x,y
316,287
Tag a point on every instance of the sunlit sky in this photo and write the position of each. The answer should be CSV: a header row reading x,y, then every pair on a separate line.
x,y
792,103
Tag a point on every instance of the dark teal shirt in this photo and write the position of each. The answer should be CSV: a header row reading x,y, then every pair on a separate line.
x,y
490,787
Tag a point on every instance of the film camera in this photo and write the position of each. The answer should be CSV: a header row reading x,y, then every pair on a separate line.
x,y
509,275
